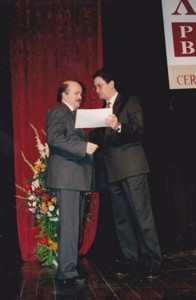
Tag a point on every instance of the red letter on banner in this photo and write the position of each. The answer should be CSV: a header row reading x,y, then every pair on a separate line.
x,y
188,7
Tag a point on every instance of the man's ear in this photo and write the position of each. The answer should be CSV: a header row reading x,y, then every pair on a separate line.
x,y
111,83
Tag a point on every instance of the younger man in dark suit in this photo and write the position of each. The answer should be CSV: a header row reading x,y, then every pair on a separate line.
x,y
126,168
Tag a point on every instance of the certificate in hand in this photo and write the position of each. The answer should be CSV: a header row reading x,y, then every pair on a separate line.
x,y
91,118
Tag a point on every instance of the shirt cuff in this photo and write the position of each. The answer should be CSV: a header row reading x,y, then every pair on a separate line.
x,y
119,128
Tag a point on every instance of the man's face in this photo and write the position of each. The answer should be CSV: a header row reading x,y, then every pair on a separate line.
x,y
102,88
73,95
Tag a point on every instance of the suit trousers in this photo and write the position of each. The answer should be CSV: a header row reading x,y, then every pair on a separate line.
x,y
71,212
134,220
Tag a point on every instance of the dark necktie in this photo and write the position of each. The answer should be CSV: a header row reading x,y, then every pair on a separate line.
x,y
108,104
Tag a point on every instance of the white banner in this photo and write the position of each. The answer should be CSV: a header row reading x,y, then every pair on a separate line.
x,y
179,18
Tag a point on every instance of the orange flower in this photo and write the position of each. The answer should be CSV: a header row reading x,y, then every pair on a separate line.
x,y
52,245
39,167
44,207
54,199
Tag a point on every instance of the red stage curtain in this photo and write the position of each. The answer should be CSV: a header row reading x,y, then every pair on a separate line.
x,y
51,41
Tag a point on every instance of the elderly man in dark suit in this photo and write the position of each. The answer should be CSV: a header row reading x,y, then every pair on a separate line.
x,y
69,174
126,168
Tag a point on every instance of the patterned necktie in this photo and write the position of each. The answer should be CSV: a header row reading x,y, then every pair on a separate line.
x,y
108,104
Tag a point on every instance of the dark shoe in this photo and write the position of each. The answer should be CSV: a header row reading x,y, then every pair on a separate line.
x,y
153,273
80,281
124,268
65,283
72,282
147,272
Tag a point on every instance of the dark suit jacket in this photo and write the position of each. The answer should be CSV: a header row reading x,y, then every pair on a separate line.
x,y
123,152
69,167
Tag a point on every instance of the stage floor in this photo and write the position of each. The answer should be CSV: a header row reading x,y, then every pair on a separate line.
x,y
19,280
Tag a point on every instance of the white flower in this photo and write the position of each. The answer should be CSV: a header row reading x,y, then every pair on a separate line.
x,y
55,263
35,184
38,162
46,150
40,146
57,212
54,219
34,203
32,197
43,149
51,207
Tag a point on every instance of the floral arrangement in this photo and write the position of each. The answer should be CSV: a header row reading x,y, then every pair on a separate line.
x,y
42,203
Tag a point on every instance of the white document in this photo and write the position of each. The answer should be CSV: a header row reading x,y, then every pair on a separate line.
x,y
91,118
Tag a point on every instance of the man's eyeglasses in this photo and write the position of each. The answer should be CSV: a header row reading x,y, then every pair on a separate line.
x,y
99,86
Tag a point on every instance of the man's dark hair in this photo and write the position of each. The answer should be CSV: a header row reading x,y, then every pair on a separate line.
x,y
63,87
105,74
61,90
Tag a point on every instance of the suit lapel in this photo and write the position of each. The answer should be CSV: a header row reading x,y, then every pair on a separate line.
x,y
116,109
117,105
67,112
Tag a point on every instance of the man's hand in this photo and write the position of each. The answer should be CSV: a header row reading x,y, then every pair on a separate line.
x,y
112,121
91,148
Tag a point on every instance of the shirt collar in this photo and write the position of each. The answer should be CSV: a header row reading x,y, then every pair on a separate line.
x,y
112,100
70,107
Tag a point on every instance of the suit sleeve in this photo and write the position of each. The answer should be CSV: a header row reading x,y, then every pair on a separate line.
x,y
131,119
134,127
63,141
